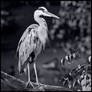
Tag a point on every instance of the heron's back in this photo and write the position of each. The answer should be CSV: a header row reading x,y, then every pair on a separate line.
x,y
28,44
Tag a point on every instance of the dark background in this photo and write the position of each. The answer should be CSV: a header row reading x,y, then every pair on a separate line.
x,y
73,30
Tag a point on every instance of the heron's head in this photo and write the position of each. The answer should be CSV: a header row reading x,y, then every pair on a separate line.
x,y
42,11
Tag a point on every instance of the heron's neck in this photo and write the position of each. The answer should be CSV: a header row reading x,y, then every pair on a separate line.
x,y
40,21
42,30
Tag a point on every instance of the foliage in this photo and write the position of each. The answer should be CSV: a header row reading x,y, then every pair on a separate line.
x,y
79,78
74,27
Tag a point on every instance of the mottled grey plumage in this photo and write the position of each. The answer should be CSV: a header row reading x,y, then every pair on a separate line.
x,y
29,44
33,41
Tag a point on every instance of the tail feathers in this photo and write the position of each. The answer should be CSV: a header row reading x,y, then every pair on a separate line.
x,y
19,67
22,68
17,52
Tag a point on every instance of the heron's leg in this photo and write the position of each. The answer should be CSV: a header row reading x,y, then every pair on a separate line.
x,y
36,73
29,82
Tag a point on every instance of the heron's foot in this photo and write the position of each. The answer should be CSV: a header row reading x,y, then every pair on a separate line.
x,y
38,84
29,84
39,87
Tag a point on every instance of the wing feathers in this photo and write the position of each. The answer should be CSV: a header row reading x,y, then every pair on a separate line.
x,y
26,46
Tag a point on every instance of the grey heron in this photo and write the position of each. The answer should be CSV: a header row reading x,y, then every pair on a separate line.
x,y
32,42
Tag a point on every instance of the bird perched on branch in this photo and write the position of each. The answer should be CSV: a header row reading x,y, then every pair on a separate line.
x,y
32,42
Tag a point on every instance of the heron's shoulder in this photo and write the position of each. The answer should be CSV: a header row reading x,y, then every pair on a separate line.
x,y
33,26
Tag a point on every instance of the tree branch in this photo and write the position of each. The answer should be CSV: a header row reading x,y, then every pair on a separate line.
x,y
17,84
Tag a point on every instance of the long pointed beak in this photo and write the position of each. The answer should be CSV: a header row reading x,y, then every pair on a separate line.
x,y
52,15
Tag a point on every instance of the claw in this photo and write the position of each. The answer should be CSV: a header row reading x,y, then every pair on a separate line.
x,y
40,87
38,84
29,84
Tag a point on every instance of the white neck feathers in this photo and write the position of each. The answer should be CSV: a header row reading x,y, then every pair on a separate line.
x,y
42,29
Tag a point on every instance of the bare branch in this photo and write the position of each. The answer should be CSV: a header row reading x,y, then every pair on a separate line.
x,y
17,84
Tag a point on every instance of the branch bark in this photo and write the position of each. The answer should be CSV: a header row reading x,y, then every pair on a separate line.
x,y
17,84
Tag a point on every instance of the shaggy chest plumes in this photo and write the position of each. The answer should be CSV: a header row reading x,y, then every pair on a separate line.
x,y
42,34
